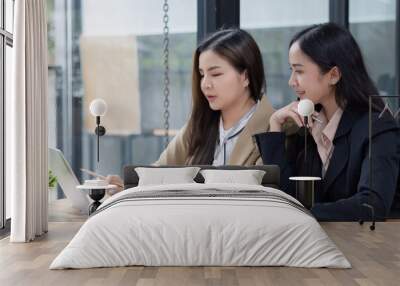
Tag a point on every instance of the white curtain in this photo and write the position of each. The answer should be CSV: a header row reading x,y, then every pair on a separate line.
x,y
27,123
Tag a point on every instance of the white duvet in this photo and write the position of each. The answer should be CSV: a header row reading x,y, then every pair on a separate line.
x,y
182,231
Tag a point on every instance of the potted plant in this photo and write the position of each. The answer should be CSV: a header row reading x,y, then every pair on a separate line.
x,y
52,186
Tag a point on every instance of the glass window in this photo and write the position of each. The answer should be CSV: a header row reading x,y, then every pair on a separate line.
x,y
373,26
2,138
273,23
1,14
114,51
9,15
8,82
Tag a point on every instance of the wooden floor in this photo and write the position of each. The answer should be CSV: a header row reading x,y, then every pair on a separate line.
x,y
375,257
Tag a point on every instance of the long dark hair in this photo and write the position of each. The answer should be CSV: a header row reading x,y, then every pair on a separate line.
x,y
330,45
242,52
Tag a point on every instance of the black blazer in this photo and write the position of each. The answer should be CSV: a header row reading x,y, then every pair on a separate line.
x,y
345,187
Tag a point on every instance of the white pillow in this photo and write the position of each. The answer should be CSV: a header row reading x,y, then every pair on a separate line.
x,y
248,177
163,176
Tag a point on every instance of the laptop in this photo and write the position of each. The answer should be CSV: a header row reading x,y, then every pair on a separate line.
x,y
67,180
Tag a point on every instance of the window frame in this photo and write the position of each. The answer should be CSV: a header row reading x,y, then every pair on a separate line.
x,y
6,39
397,49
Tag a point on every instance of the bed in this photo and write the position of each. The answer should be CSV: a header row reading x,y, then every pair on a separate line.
x,y
201,224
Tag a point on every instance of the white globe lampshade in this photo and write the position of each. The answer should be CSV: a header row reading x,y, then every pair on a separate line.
x,y
305,107
98,107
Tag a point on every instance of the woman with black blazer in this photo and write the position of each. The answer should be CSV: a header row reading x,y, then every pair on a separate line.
x,y
328,69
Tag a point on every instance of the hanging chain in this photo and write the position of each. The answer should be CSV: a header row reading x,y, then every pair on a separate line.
x,y
166,71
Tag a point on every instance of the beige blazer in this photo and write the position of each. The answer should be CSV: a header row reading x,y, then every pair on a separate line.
x,y
245,152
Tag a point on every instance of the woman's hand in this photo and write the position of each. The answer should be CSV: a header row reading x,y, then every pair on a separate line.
x,y
279,117
117,181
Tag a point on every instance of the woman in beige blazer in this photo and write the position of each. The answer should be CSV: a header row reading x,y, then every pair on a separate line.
x,y
229,106
228,86
245,152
